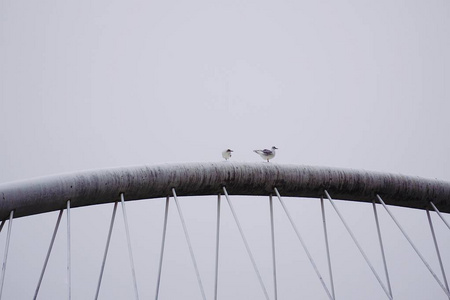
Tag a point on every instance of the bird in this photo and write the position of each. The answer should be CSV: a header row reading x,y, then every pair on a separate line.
x,y
266,153
226,153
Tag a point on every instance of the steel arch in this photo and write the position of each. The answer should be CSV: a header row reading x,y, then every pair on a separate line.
x,y
50,193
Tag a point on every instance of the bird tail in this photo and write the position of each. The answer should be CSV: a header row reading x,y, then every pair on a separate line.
x,y
256,151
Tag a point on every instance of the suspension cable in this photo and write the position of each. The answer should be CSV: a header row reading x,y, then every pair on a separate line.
x,y
216,279
413,246
246,244
274,264
69,268
303,244
188,240
381,247
130,253
358,245
437,248
5,257
163,241
106,249
48,253
440,214
327,246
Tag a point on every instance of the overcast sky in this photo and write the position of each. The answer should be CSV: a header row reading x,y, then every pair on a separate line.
x,y
97,84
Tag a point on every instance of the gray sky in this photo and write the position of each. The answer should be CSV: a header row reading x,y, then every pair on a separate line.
x,y
97,84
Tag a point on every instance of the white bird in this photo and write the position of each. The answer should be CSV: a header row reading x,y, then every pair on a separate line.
x,y
266,153
226,154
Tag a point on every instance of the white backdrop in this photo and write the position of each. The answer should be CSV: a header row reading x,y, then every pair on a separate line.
x,y
96,84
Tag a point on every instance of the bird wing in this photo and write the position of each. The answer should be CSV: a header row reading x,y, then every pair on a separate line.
x,y
267,151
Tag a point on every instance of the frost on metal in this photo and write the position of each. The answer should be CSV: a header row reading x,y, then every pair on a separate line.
x,y
145,182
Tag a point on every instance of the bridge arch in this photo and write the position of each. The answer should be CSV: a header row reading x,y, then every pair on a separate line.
x,y
50,193
67,191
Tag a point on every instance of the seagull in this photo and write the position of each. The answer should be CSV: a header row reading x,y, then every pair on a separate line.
x,y
266,153
226,154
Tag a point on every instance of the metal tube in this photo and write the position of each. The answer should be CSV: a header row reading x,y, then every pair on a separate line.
x,y
48,253
163,241
413,246
274,264
5,257
246,244
188,240
437,249
69,268
381,247
130,252
327,246
303,244
217,248
440,214
106,249
357,245
144,182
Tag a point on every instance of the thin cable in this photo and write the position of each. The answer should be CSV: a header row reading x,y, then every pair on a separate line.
x,y
357,245
303,244
440,214
106,249
5,258
381,247
414,247
272,227
163,241
130,252
437,249
186,234
217,248
69,268
246,244
48,253
327,246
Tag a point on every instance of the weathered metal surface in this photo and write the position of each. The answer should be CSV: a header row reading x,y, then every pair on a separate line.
x,y
144,182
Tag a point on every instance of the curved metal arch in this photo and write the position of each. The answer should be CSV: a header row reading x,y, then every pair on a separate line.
x,y
144,182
